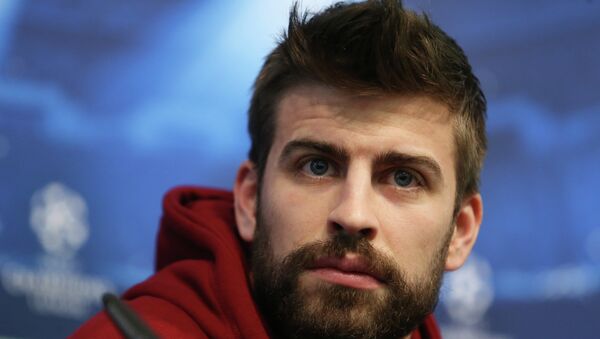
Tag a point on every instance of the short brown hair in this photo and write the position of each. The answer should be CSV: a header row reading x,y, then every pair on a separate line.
x,y
372,48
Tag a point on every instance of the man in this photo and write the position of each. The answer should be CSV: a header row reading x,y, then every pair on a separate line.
x,y
361,188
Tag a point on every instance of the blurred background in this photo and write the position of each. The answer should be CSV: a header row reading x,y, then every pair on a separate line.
x,y
106,104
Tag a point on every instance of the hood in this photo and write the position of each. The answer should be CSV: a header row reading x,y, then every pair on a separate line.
x,y
200,265
196,223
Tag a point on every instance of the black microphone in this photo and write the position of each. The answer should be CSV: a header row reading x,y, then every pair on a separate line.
x,y
130,325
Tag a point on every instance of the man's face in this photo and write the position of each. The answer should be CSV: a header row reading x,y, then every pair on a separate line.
x,y
355,213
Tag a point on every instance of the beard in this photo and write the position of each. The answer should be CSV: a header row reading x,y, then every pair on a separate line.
x,y
325,310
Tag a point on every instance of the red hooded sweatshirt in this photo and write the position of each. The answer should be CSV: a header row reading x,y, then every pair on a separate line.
x,y
200,288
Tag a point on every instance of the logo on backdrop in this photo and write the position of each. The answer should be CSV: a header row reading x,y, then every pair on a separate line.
x,y
468,294
59,219
55,286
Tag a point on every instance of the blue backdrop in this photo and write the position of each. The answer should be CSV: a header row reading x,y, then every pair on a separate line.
x,y
106,104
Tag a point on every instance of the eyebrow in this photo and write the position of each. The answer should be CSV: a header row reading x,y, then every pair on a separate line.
x,y
334,151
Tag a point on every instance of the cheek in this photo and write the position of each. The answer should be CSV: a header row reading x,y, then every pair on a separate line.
x,y
293,218
415,235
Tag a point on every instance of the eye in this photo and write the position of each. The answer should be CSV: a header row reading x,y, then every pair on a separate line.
x,y
404,178
316,167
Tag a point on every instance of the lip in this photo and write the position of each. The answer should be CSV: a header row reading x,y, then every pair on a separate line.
x,y
351,271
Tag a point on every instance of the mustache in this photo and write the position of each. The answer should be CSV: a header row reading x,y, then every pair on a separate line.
x,y
341,244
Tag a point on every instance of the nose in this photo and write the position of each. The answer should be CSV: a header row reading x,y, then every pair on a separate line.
x,y
354,211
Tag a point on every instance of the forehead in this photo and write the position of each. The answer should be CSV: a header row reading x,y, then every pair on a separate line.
x,y
363,107
408,122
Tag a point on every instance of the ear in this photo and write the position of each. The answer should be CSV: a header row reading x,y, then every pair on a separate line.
x,y
245,194
466,229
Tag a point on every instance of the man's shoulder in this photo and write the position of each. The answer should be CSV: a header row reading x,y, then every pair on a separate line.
x,y
186,299
164,318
